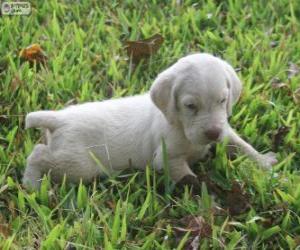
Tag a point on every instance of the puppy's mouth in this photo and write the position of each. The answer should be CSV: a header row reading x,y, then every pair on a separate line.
x,y
214,139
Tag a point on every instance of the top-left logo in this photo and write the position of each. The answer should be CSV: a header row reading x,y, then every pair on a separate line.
x,y
15,8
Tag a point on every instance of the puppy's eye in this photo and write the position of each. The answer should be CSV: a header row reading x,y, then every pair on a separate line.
x,y
191,106
223,100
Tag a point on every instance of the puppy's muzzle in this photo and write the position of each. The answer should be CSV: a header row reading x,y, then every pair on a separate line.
x,y
213,133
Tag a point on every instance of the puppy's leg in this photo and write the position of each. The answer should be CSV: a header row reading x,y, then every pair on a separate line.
x,y
181,173
264,160
38,163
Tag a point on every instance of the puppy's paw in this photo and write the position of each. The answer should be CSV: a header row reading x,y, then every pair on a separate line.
x,y
30,184
191,181
266,161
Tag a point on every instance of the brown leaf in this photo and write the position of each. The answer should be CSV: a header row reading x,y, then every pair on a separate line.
x,y
293,70
274,44
12,209
111,204
34,53
280,85
71,102
279,137
70,246
297,240
195,225
198,228
5,229
109,90
237,200
15,83
219,211
36,241
296,96
211,186
195,243
231,152
95,63
143,49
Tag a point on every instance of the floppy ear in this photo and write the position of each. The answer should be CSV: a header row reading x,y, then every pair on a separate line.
x,y
162,93
235,87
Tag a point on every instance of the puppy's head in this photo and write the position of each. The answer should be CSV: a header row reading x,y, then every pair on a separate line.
x,y
197,93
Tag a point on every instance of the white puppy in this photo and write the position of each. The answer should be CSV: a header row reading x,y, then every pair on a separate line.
x,y
187,106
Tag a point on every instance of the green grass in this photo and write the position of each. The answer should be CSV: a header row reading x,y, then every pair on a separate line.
x,y
87,61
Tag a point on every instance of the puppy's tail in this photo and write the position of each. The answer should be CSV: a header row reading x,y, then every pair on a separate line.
x,y
42,119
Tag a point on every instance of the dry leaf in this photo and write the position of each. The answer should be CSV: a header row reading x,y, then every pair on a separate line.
x,y
15,83
12,209
5,229
273,214
72,101
293,70
237,200
111,204
70,246
33,53
195,225
296,96
195,243
218,211
95,63
198,228
36,241
280,85
274,44
143,49
297,240
211,186
279,136
276,83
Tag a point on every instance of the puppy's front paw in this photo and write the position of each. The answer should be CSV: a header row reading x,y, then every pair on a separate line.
x,y
267,160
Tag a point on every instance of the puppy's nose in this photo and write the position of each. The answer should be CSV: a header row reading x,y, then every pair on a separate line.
x,y
213,133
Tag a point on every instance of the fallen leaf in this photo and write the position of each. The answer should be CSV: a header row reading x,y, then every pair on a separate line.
x,y
5,229
274,44
297,240
70,246
237,200
111,204
143,49
15,83
71,102
280,85
195,243
95,63
296,96
34,53
109,90
293,70
211,186
279,137
196,225
218,211
4,187
12,209
36,241
198,228
231,152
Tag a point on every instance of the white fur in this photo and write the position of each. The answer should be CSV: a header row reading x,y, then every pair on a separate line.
x,y
85,141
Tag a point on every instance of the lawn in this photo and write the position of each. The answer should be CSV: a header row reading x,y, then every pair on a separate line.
x,y
86,60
